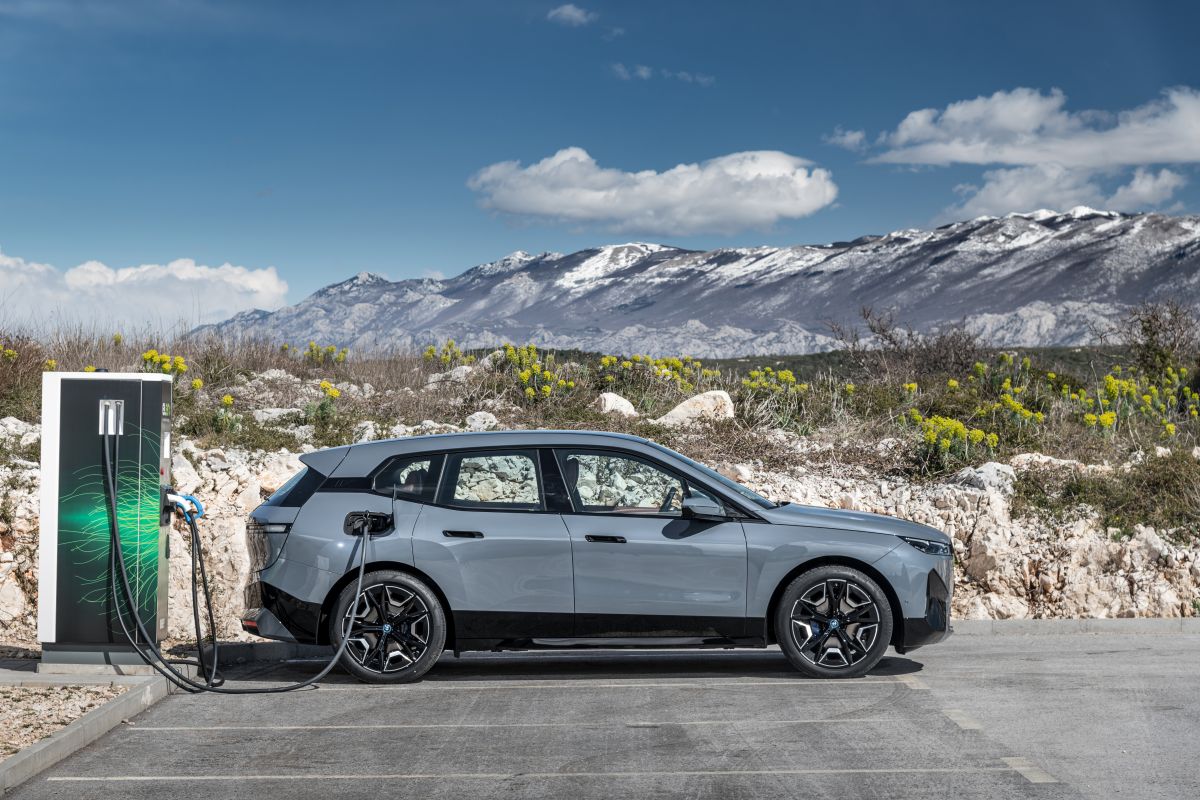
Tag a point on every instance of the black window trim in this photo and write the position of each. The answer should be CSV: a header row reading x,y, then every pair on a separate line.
x,y
743,514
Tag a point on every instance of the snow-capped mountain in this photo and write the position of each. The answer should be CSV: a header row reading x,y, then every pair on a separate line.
x,y
1039,278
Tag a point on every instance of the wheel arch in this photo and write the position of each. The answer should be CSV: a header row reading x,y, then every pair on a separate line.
x,y
373,566
841,561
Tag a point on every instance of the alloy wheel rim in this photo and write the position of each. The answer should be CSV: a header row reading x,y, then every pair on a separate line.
x,y
386,628
835,624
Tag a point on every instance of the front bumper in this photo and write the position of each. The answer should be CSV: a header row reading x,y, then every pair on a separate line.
x,y
935,625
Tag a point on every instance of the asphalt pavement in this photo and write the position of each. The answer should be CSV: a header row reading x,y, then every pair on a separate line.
x,y
1058,716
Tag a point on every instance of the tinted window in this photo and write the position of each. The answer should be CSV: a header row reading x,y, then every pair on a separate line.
x,y
614,483
742,491
502,480
412,478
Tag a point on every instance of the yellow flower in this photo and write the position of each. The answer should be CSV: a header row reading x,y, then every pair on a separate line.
x,y
227,400
197,384
117,339
952,384
993,440
1169,428
530,392
1050,376
1090,420
977,436
849,388
1108,419
50,365
911,388
89,368
546,389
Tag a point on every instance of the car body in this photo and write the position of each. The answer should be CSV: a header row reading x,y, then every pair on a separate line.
x,y
528,539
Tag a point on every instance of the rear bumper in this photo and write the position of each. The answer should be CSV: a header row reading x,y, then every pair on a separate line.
x,y
275,614
935,625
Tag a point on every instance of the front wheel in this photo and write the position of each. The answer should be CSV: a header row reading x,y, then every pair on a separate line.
x,y
395,628
833,622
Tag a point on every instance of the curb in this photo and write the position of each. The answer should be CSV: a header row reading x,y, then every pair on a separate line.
x,y
22,766
1061,627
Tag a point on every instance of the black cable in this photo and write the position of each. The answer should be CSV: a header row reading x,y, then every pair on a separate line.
x,y
151,653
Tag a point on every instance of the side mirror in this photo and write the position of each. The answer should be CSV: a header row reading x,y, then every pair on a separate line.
x,y
702,508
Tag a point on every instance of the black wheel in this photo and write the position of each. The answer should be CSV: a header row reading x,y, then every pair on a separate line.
x,y
833,622
395,628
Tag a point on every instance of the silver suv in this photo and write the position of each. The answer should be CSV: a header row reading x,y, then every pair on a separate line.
x,y
551,539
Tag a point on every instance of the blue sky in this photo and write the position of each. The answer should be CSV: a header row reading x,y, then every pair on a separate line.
x,y
323,142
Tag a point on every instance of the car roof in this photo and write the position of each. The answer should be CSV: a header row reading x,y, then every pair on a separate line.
x,y
360,459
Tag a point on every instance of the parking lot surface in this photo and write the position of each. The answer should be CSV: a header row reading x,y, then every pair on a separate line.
x,y
1088,715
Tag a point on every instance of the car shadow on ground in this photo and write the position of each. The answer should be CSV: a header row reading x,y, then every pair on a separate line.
x,y
582,665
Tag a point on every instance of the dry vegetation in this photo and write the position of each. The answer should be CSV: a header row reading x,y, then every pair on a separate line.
x,y
944,400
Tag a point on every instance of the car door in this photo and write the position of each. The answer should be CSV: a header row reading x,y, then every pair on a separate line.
x,y
502,559
641,568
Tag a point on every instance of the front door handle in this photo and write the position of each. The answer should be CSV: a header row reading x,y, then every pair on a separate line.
x,y
463,534
608,539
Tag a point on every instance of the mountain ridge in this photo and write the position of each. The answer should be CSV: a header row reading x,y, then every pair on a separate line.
x,y
1024,279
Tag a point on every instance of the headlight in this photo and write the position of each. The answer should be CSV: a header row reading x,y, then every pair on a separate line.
x,y
928,547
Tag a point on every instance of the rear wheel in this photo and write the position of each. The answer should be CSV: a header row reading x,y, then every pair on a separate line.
x,y
833,622
395,628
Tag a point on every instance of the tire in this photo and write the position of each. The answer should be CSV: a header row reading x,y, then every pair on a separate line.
x,y
398,631
861,629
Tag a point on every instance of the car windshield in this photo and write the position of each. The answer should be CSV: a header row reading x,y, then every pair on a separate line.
x,y
732,485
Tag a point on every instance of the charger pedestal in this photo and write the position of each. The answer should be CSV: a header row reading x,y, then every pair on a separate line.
x,y
78,600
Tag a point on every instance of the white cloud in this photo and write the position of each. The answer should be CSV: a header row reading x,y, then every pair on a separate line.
x,y
645,73
1147,190
572,15
1024,127
1051,157
855,141
1027,189
1057,187
724,194
179,292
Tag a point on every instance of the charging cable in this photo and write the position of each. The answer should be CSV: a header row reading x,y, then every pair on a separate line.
x,y
192,510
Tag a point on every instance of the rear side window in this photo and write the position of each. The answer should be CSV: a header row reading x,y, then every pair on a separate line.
x,y
297,490
412,478
499,480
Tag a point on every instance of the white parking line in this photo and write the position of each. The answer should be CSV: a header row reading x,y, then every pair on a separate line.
x,y
962,719
504,776
584,684
1030,771
489,725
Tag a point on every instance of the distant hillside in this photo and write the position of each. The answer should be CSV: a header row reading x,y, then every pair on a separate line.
x,y
1037,279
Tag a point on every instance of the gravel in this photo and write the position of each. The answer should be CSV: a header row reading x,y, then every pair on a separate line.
x,y
29,714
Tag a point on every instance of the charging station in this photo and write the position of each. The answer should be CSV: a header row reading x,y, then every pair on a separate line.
x,y
88,417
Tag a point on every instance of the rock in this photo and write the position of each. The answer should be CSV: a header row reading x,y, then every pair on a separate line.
x,y
712,405
457,375
366,431
482,421
742,473
24,434
1161,452
990,476
613,403
273,416
184,477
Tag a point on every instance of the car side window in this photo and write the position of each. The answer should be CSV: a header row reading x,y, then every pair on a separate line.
x,y
413,478
618,484
498,480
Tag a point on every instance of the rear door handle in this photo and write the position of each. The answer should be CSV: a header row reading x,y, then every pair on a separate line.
x,y
608,539
463,534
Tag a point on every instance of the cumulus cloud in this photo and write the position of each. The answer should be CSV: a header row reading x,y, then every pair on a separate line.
x,y
1048,155
724,194
181,291
572,16
1024,127
1026,189
847,140
1147,190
